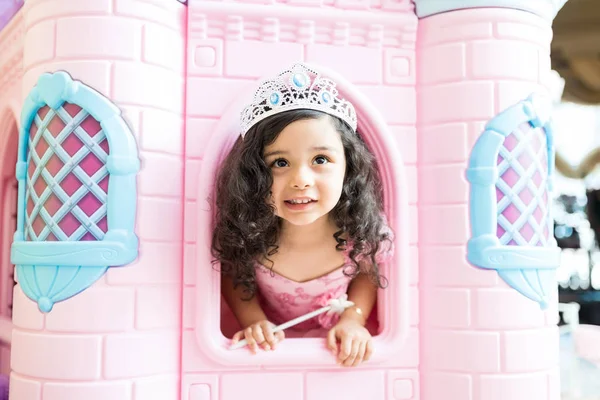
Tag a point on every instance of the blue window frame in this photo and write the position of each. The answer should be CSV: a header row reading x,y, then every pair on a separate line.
x,y
510,174
76,170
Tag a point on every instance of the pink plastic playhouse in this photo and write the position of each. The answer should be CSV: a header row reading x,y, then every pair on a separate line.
x,y
114,116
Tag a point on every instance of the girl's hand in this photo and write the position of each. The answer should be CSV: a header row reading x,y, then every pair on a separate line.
x,y
260,334
356,344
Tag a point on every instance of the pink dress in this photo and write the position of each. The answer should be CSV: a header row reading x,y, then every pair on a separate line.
x,y
283,299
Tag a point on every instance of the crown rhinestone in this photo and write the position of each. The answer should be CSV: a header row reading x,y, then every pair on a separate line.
x,y
274,98
300,80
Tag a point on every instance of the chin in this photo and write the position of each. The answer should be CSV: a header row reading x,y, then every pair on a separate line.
x,y
301,220
304,218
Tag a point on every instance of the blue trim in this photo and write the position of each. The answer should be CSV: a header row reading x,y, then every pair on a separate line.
x,y
49,272
528,269
546,9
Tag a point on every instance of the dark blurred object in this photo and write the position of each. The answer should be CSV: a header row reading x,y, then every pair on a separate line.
x,y
575,49
566,237
593,213
589,302
589,314
570,203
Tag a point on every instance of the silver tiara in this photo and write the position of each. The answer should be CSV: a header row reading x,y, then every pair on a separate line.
x,y
298,87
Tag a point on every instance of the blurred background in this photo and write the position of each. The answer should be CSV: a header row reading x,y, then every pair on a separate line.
x,y
576,209
576,59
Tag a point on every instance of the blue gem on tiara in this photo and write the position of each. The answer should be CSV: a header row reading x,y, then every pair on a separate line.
x,y
300,80
274,98
326,97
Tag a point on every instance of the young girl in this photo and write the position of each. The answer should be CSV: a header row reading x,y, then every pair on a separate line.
x,y
299,217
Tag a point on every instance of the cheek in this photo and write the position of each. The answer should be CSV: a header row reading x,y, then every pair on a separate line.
x,y
335,184
276,187
340,185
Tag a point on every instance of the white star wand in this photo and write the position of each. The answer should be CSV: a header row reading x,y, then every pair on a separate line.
x,y
334,306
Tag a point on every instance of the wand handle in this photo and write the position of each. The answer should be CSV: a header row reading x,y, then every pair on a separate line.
x,y
295,321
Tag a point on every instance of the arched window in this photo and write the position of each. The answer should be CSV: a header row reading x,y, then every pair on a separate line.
x,y
76,168
510,172
393,304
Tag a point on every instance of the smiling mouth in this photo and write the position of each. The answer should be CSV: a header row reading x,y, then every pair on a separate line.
x,y
300,201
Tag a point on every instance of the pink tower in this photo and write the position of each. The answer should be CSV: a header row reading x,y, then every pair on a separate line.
x,y
114,116
480,338
120,338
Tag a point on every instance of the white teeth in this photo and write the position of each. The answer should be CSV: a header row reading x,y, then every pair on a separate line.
x,y
300,201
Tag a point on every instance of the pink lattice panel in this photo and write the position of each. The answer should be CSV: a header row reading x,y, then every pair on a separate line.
x,y
521,190
67,178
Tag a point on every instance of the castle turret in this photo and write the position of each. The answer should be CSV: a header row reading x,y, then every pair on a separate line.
x,y
481,339
118,338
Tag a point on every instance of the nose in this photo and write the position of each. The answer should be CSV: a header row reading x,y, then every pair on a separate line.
x,y
302,178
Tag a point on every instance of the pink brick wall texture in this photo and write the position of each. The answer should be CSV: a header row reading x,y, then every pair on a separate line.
x,y
119,339
131,336
218,68
11,56
480,340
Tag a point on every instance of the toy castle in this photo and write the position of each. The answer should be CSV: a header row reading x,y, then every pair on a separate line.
x,y
114,116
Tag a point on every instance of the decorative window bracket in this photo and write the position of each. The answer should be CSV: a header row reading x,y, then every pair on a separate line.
x,y
510,175
76,171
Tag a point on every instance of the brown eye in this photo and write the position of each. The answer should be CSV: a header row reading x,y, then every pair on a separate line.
x,y
279,163
320,160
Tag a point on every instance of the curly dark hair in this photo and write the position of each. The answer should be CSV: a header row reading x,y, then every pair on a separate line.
x,y
246,227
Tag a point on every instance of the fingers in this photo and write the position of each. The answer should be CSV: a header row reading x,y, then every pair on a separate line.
x,y
271,340
237,337
368,350
279,336
354,351
345,349
257,332
360,354
331,341
259,335
252,345
349,361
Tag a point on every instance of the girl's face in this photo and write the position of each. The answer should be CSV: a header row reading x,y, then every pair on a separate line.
x,y
308,165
